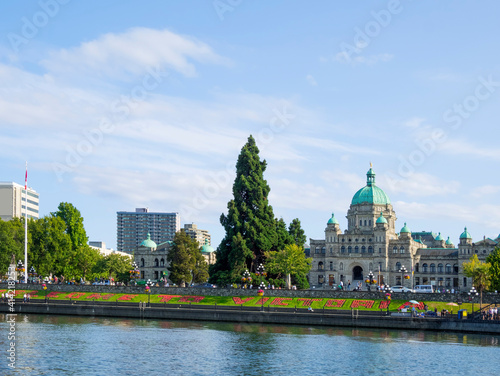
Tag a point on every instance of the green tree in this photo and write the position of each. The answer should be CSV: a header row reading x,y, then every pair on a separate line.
x,y
113,266
287,262
74,223
185,261
11,242
284,237
494,260
480,274
297,233
250,225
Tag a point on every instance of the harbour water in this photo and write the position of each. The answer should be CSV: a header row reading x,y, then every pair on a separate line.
x,y
68,345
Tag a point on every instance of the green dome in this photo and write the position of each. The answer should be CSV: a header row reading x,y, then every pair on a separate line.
x,y
148,243
448,241
333,220
465,234
405,229
370,194
439,237
381,219
207,248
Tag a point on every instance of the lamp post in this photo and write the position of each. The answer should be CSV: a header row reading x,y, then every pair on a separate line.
x,y
402,270
20,270
44,286
261,272
148,289
134,273
32,274
370,280
262,287
246,277
388,292
472,293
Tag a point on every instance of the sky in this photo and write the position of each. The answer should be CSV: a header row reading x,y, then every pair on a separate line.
x,y
121,104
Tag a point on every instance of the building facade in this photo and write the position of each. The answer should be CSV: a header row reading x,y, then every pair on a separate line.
x,y
371,244
201,236
133,227
13,201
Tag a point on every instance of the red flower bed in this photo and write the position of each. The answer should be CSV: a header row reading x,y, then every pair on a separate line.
x,y
384,304
75,295
127,297
261,301
281,301
100,296
238,300
335,303
409,305
307,302
362,303
167,298
54,294
191,299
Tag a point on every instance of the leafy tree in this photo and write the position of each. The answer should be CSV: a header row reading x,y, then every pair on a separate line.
x,y
480,274
297,233
113,266
287,262
185,261
250,225
11,242
74,223
494,260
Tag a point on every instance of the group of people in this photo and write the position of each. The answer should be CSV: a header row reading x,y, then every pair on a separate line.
x,y
347,286
491,314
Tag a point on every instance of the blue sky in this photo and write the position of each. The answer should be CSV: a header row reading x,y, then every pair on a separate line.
x,y
125,104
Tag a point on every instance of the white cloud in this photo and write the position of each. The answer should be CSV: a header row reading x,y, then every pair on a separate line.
x,y
414,122
344,57
468,148
132,52
419,185
311,80
485,190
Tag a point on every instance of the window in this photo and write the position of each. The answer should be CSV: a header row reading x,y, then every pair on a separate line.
x,y
424,268
416,269
331,265
342,249
323,250
356,249
395,249
341,266
360,222
370,249
370,222
363,249
162,262
156,262
433,268
320,265
398,266
402,249
448,268
465,281
331,250
156,274
440,268
455,268
365,222
349,249
316,250
142,262
380,250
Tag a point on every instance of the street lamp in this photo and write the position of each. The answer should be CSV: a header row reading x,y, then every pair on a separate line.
x,y
148,289
388,291
260,293
472,293
370,280
402,270
20,270
32,274
246,277
261,272
134,273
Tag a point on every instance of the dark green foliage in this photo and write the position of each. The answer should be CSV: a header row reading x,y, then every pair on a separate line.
x,y
494,259
11,243
250,226
74,223
187,264
297,233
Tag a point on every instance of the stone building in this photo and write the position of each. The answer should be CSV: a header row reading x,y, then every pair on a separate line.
x,y
371,244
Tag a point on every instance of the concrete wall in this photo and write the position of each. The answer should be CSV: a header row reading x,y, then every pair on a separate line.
x,y
487,297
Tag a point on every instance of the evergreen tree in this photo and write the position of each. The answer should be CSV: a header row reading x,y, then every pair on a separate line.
x,y
186,261
284,237
298,235
250,226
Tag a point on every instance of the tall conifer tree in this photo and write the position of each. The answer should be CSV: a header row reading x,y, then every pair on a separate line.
x,y
251,228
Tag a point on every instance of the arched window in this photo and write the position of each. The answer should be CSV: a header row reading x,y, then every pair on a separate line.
x,y
395,249
320,265
331,265
440,268
156,274
323,250
316,250
370,249
342,249
402,249
162,262
331,250
398,266
448,268
361,222
156,262
455,268
142,262
424,268
363,249
341,266
417,267
433,268
349,249
380,250
356,249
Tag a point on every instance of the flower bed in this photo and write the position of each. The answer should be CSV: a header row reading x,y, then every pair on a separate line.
x,y
127,297
307,302
239,301
384,304
362,303
335,303
191,299
100,296
281,301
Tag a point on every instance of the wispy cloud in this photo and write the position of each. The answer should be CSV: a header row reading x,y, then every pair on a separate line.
x,y
343,57
311,80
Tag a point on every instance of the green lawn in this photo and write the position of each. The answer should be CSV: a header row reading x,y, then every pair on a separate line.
x,y
315,303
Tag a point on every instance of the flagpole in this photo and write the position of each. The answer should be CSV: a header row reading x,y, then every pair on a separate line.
x,y
26,225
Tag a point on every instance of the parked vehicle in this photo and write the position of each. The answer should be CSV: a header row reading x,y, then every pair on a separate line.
x,y
399,288
424,288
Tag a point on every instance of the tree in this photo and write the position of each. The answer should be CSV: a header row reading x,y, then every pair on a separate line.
x,y
494,260
250,225
480,274
185,260
113,266
287,262
74,223
11,242
298,235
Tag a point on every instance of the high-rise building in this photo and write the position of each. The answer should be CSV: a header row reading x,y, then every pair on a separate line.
x,y
13,201
134,227
197,234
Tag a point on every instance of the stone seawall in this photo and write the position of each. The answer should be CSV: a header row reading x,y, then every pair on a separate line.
x,y
488,298
282,317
